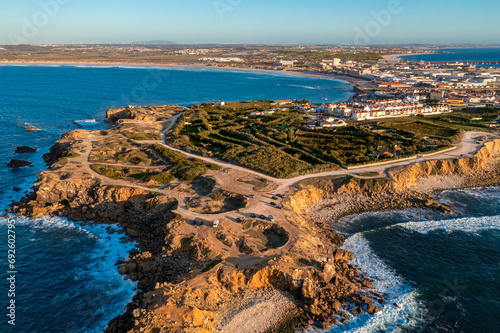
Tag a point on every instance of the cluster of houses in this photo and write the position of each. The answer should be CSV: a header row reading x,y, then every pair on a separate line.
x,y
402,74
261,113
454,98
326,122
373,109
221,60
388,152
471,98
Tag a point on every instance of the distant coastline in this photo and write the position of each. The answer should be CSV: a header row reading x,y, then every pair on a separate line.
x,y
398,55
346,79
452,54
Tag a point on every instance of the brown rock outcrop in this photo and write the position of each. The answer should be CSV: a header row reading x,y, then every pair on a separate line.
x,y
16,164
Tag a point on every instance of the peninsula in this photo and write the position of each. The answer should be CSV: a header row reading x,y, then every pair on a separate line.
x,y
233,213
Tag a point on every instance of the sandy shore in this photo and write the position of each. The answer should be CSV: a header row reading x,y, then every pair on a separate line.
x,y
395,56
345,79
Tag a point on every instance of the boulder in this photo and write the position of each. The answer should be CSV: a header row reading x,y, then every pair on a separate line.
x,y
15,164
25,150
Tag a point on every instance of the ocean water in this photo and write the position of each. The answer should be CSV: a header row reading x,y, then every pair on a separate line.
x,y
66,277
460,55
440,273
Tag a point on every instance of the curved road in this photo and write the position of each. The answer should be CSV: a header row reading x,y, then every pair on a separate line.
x,y
467,146
260,203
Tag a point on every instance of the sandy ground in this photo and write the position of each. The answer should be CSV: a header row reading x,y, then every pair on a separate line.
x,y
392,56
256,313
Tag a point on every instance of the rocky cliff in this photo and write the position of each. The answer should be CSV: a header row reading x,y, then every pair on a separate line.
x,y
188,275
328,199
484,160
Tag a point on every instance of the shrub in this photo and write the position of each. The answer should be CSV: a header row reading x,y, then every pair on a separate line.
x,y
162,178
141,136
214,167
107,171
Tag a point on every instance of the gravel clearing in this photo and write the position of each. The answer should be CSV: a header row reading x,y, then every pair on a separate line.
x,y
256,313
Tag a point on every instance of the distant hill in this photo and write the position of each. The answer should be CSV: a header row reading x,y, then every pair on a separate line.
x,y
155,42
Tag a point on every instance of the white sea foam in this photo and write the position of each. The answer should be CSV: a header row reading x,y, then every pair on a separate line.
x,y
465,224
99,276
304,87
407,314
484,192
86,121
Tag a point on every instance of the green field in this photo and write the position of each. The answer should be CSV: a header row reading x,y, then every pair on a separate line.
x,y
267,144
280,144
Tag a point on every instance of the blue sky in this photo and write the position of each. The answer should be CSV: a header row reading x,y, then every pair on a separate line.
x,y
250,21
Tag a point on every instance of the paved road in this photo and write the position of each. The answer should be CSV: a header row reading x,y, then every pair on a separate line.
x,y
467,146
260,204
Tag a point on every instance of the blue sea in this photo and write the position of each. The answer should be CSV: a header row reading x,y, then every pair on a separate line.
x,y
440,273
443,272
460,55
66,277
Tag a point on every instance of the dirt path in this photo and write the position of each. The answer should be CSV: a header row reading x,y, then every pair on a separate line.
x,y
260,203
467,146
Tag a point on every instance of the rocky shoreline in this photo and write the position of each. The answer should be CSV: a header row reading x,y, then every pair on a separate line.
x,y
188,277
412,186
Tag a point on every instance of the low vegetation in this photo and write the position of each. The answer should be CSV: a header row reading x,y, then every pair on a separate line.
x,y
279,144
264,144
161,178
320,55
142,136
133,174
184,168
67,155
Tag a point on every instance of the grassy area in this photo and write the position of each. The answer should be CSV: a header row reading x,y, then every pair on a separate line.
x,y
133,174
267,144
67,155
424,129
135,157
184,169
108,171
320,55
324,183
214,167
279,144
247,225
161,178
142,136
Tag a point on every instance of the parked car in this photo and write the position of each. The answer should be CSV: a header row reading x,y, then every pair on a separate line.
x,y
253,215
270,218
274,197
216,223
272,203
239,220
251,196
279,207
279,195
261,216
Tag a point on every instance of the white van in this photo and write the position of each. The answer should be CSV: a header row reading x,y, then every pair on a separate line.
x,y
216,223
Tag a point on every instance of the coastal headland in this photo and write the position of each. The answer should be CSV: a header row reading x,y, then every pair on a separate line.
x,y
259,268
